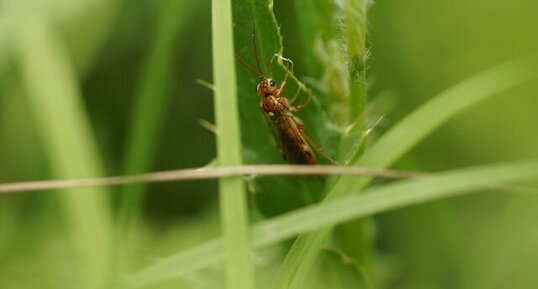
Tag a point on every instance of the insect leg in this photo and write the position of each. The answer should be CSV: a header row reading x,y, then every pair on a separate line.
x,y
294,98
301,85
302,105
288,62
283,83
289,68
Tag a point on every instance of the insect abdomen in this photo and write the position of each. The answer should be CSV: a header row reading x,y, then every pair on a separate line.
x,y
292,143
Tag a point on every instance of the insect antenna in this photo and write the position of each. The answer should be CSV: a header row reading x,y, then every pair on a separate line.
x,y
255,48
244,63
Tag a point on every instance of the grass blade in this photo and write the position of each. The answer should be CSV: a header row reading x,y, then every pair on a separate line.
x,y
398,141
233,207
149,113
151,100
57,109
441,108
377,200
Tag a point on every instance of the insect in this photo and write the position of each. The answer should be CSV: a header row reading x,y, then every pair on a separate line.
x,y
295,146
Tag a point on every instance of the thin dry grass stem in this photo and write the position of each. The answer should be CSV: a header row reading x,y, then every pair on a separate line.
x,y
516,188
206,173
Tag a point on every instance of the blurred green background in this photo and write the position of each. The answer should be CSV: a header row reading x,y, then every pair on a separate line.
x,y
92,88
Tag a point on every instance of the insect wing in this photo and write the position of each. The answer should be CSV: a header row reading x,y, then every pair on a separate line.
x,y
293,145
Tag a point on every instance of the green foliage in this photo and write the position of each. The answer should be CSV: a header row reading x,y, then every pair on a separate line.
x,y
92,88
273,196
353,206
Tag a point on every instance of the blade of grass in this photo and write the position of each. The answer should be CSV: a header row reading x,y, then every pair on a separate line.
x,y
377,200
398,141
233,206
58,112
84,41
441,108
152,98
150,111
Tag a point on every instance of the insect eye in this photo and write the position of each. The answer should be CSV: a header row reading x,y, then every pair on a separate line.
x,y
272,83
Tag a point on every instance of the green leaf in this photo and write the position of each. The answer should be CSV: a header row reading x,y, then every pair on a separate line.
x,y
274,197
233,207
330,213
